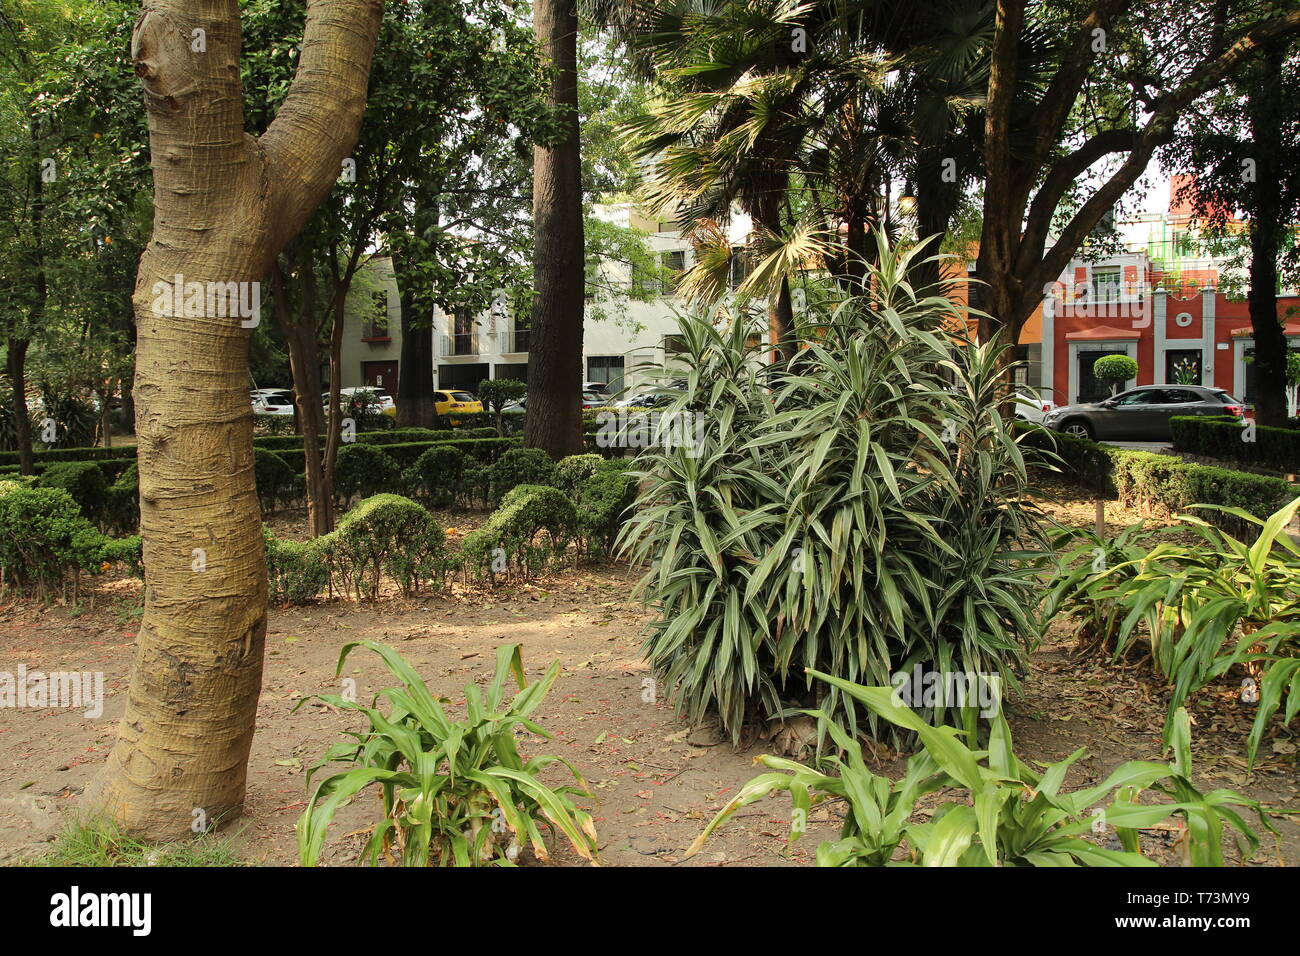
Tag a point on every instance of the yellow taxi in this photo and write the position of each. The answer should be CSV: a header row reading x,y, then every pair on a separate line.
x,y
451,402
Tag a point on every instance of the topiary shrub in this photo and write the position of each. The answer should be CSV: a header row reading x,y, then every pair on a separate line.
x,y
84,481
436,475
275,479
389,534
603,500
572,472
45,540
507,541
122,504
1115,370
521,466
128,551
297,571
365,470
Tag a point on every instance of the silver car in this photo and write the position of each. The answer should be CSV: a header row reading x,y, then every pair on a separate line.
x,y
1142,413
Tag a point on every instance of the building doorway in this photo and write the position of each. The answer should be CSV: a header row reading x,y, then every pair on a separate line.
x,y
380,375
1091,388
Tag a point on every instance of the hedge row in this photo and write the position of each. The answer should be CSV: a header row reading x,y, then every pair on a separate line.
x,y
1226,438
387,535
1163,483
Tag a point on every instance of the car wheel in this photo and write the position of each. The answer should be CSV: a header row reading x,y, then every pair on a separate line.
x,y
1077,428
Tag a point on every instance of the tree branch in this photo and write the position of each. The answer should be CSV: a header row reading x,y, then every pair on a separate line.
x,y
325,104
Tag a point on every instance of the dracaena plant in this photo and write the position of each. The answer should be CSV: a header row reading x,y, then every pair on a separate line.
x,y
454,792
1206,609
1009,815
862,509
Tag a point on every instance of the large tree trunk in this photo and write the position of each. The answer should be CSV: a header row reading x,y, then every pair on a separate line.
x,y
1264,107
415,405
224,205
554,420
16,365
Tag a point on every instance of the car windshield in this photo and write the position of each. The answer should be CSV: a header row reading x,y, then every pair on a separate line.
x,y
462,397
1226,398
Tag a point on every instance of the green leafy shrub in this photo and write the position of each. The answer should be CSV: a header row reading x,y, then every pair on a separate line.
x,y
857,513
455,793
507,541
68,421
522,466
275,479
297,571
128,551
45,540
1206,609
1225,438
494,393
365,470
1115,370
84,481
436,475
572,472
604,499
386,534
1011,815
122,507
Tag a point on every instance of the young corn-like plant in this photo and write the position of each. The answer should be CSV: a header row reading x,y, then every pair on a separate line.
x,y
1209,608
1013,816
454,792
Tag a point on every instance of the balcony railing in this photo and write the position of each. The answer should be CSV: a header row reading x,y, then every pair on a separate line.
x,y
465,343
516,341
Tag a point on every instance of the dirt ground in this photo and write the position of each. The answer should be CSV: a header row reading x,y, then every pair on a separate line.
x,y
656,781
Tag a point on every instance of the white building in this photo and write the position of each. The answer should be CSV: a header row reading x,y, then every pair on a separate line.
x,y
620,335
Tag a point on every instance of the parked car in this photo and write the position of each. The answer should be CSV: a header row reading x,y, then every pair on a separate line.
x,y
590,399
450,401
364,393
1142,413
646,400
600,388
272,401
1031,407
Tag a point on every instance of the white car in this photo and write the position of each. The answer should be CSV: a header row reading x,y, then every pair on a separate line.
x,y
385,401
272,401
1032,408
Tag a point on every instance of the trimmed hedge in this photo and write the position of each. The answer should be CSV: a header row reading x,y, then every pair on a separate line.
x,y
1221,437
46,541
505,542
1163,483
84,481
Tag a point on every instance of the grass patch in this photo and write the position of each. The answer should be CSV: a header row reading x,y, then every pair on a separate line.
x,y
103,843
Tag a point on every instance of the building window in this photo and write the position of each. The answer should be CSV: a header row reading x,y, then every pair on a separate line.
x,y
607,369
674,264
462,339
1106,283
741,266
376,324
974,291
